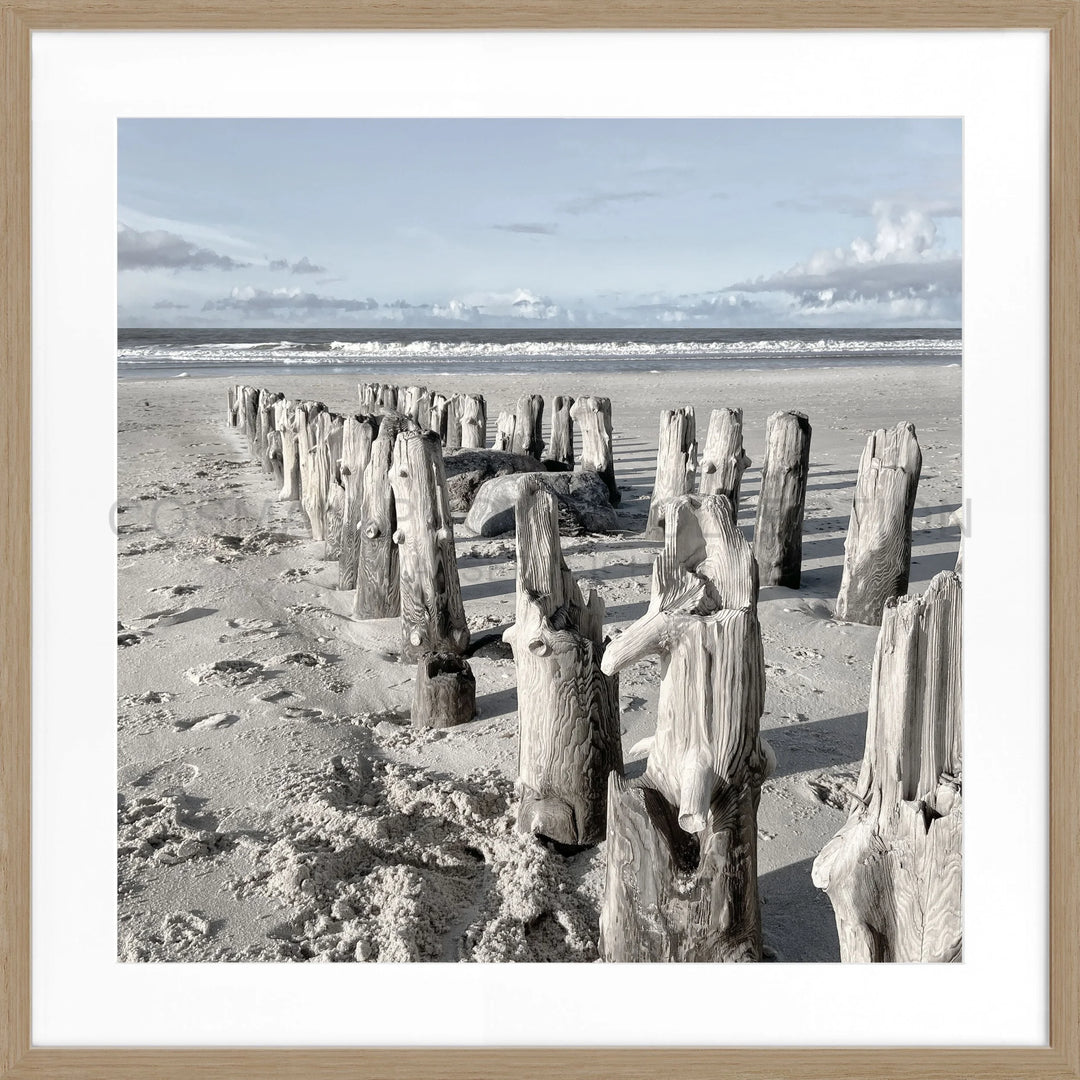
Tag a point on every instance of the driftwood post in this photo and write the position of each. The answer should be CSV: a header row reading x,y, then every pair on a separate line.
x,y
377,588
724,459
445,691
275,456
437,419
233,415
285,422
676,464
528,435
782,498
894,871
877,551
453,423
329,467
472,414
568,708
357,438
593,418
388,397
432,613
265,422
249,414
504,431
681,880
409,402
561,447
312,497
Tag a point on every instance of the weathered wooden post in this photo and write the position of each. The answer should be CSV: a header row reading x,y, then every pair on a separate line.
x,y
676,466
249,414
568,708
724,459
504,431
377,581
265,424
782,498
528,435
472,414
437,419
275,456
357,438
877,551
894,871
445,691
289,415
329,470
369,397
593,418
453,423
681,880
234,392
388,397
307,415
432,614
561,447
409,401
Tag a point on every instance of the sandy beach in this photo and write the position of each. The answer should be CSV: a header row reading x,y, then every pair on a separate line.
x,y
280,807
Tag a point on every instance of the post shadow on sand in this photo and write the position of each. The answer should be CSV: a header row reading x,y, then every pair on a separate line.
x,y
796,917
497,703
816,744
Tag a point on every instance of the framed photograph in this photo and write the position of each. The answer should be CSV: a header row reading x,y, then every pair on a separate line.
x,y
526,471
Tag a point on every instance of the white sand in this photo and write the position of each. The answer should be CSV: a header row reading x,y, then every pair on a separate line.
x,y
283,809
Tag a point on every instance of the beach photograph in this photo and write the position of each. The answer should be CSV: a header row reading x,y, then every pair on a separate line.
x,y
539,540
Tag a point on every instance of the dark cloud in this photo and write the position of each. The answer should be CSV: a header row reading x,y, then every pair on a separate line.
x,y
161,250
585,204
251,301
168,305
306,266
532,228
301,266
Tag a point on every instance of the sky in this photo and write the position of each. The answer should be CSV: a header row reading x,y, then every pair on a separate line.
x,y
539,223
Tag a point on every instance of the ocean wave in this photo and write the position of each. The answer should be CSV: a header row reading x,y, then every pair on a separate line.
x,y
424,350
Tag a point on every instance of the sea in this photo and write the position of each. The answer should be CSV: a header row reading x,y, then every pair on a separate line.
x,y
172,353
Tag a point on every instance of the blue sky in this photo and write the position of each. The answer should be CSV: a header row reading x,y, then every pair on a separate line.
x,y
557,223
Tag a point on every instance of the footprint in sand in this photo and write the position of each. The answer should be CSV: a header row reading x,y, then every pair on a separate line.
x,y
251,628
175,590
226,673
203,723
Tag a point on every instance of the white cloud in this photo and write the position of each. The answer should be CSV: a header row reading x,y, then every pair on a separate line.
x,y
903,270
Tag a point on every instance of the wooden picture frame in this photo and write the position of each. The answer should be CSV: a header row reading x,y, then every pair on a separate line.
x,y
18,1058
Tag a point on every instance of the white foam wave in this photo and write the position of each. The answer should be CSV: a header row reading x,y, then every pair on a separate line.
x,y
425,351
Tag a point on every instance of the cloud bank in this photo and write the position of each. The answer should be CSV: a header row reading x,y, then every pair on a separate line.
x,y
157,249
